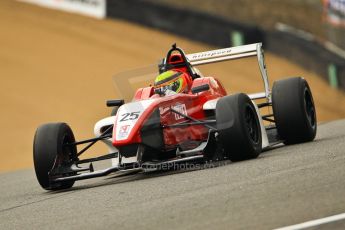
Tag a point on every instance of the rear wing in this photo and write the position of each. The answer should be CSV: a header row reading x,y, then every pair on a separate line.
x,y
237,52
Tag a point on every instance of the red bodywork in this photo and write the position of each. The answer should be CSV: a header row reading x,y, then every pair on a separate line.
x,y
189,104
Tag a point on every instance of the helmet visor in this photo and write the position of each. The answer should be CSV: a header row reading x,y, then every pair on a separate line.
x,y
173,83
174,86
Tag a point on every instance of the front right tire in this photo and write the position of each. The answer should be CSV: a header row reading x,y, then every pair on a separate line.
x,y
294,110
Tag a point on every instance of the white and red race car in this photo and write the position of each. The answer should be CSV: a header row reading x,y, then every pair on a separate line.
x,y
204,124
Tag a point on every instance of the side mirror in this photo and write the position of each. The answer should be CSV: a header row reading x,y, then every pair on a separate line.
x,y
200,88
112,103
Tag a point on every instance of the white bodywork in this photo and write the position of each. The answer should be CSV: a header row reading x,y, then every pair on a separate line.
x,y
211,104
97,131
128,114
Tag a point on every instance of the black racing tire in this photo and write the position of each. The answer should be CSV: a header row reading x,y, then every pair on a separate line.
x,y
239,130
294,110
49,150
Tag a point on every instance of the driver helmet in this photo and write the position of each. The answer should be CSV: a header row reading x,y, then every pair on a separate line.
x,y
172,80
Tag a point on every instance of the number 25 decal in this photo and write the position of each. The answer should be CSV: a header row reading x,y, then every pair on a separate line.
x,y
130,116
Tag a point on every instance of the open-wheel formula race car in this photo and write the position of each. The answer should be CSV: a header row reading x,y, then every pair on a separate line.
x,y
203,124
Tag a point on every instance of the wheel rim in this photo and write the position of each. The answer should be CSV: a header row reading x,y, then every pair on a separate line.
x,y
251,124
309,108
68,151
66,154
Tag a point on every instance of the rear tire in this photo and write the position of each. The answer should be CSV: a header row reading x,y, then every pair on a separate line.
x,y
49,151
238,127
294,110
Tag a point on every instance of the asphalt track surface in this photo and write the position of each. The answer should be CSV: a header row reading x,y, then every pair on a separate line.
x,y
284,186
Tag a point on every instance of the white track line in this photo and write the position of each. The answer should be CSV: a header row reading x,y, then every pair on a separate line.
x,y
313,223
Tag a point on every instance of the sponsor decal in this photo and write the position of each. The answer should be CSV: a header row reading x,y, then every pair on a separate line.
x,y
124,130
181,108
209,54
334,12
163,110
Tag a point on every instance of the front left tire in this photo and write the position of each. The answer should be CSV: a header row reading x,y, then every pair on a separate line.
x,y
238,125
